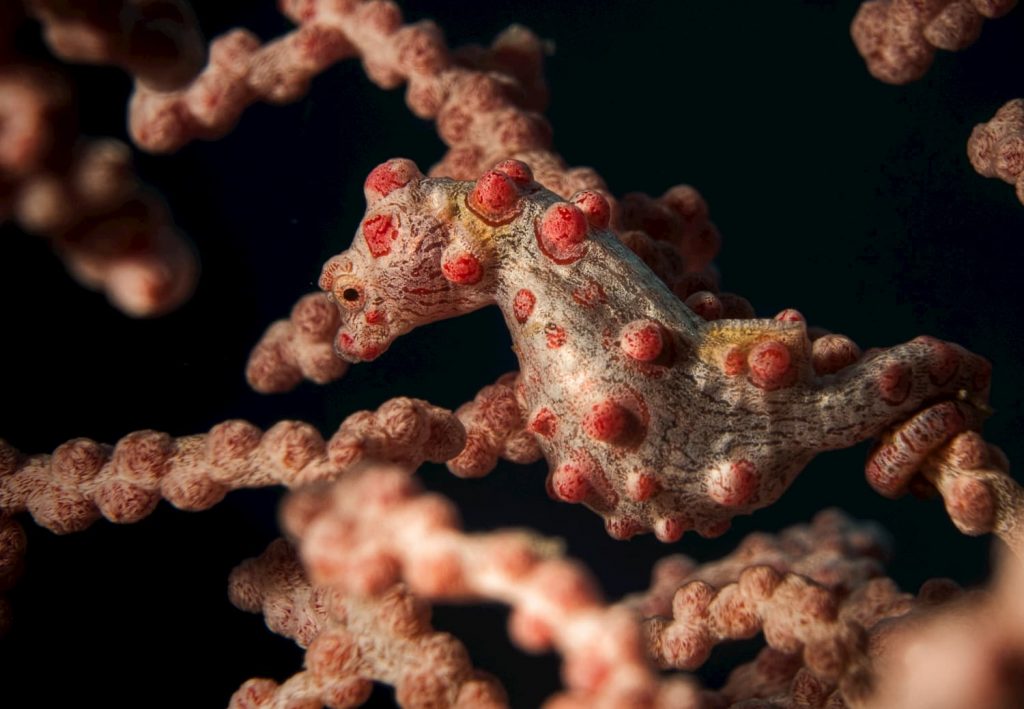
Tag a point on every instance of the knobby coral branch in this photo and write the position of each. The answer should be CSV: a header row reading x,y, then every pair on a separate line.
x,y
156,41
82,480
113,234
996,148
898,38
351,642
376,529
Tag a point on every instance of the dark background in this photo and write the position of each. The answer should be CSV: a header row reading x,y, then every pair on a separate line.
x,y
848,199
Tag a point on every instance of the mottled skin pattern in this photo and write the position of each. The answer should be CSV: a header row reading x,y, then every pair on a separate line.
x,y
649,415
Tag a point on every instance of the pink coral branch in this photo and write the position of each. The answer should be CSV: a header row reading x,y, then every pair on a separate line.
x,y
377,528
111,232
898,38
82,480
156,41
996,148
351,642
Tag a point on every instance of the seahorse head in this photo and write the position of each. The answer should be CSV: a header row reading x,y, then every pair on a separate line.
x,y
415,259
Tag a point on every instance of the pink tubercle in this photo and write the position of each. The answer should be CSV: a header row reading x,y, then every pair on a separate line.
x,y
522,305
594,207
388,177
642,485
517,171
770,365
562,233
379,231
733,484
463,269
544,423
608,421
894,383
642,340
555,335
494,198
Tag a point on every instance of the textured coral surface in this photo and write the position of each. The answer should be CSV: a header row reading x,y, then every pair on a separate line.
x,y
835,195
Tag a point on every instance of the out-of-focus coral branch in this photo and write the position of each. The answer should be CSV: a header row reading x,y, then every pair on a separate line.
x,y
156,41
996,148
12,555
964,653
113,234
351,642
898,38
376,528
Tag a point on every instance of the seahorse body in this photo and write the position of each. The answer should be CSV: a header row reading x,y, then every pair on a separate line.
x,y
649,415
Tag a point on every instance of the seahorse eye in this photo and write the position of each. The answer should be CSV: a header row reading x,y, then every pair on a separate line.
x,y
348,293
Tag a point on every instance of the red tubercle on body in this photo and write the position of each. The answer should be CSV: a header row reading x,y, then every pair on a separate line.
x,y
733,484
705,304
590,294
517,171
494,198
463,269
641,485
623,528
770,365
570,481
346,344
555,335
374,317
522,305
642,340
562,233
594,206
379,232
671,529
388,177
608,421
971,505
943,362
790,315
894,383
712,529
735,362
580,477
831,353
544,423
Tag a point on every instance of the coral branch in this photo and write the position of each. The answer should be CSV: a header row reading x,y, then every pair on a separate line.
x,y
351,642
301,347
791,587
980,496
898,38
82,195
82,480
495,428
156,41
376,528
996,148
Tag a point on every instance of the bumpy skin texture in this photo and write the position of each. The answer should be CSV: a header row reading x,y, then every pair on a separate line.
x,y
996,148
648,414
898,38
